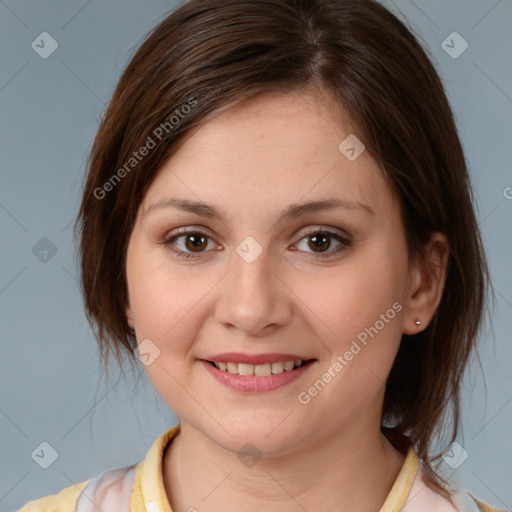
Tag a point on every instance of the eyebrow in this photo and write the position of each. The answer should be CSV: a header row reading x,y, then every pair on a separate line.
x,y
294,211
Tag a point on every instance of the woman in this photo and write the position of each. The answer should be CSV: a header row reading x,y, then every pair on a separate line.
x,y
278,223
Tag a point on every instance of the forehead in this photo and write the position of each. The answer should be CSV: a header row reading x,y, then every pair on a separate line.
x,y
272,149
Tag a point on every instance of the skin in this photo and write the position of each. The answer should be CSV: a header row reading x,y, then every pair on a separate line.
x,y
251,161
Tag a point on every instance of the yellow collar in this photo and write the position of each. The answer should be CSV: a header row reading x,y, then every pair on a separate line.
x,y
149,492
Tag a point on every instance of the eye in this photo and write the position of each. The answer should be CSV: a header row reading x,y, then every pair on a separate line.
x,y
320,240
193,240
196,242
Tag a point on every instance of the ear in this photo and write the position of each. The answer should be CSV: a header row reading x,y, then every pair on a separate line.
x,y
426,280
129,316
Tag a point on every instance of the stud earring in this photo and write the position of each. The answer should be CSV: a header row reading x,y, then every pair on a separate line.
x,y
417,322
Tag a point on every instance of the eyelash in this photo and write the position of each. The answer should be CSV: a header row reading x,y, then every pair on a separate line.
x,y
344,242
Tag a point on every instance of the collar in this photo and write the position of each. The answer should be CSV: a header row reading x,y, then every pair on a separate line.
x,y
149,492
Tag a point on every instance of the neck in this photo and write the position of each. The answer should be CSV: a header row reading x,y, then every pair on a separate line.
x,y
342,471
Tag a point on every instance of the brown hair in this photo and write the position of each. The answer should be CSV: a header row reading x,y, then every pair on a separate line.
x,y
210,54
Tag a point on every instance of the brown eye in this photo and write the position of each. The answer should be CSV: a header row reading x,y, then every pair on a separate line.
x,y
190,242
320,241
195,242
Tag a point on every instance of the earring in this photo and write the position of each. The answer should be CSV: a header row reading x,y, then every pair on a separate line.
x,y
417,322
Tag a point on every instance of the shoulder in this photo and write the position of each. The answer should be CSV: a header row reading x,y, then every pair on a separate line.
x,y
423,499
483,507
117,490
63,501
110,491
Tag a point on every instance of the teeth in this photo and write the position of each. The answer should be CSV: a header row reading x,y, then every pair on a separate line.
x,y
261,370
277,368
245,369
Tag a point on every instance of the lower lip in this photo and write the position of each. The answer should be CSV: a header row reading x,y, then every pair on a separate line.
x,y
255,383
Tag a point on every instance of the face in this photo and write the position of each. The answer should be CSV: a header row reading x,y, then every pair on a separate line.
x,y
326,286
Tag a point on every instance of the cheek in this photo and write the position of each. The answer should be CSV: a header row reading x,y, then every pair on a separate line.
x,y
165,308
373,311
160,296
353,296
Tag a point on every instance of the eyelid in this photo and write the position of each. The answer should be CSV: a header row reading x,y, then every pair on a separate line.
x,y
300,235
344,240
190,229
321,228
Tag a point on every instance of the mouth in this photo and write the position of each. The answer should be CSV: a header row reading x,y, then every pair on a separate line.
x,y
259,370
256,373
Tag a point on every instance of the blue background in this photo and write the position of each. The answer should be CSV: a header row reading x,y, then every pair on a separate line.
x,y
50,108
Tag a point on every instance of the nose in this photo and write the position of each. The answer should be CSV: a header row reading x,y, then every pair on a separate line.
x,y
254,297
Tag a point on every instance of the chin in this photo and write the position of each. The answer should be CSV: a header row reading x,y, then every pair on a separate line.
x,y
272,437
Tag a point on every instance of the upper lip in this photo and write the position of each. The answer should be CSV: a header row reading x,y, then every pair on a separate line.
x,y
239,357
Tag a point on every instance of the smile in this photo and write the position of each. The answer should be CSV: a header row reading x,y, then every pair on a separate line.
x,y
257,378
261,370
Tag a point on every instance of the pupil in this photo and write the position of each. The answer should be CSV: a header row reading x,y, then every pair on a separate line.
x,y
319,242
197,238
322,238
